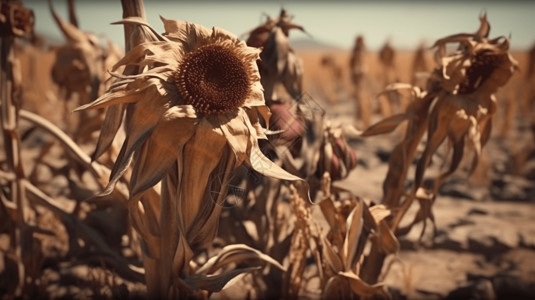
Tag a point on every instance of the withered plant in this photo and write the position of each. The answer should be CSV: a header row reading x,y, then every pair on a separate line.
x,y
359,73
334,235
43,227
387,58
333,90
80,71
457,105
194,118
420,70
16,21
306,145
226,166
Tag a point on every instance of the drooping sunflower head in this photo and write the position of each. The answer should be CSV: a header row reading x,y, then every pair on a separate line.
x,y
476,64
213,79
483,64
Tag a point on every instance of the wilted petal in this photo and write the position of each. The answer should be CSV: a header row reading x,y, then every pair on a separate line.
x,y
237,134
187,33
256,96
254,117
128,92
161,51
260,163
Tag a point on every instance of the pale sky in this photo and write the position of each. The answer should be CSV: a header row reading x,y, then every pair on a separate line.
x,y
405,23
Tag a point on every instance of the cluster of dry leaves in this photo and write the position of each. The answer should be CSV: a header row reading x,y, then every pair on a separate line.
x,y
211,173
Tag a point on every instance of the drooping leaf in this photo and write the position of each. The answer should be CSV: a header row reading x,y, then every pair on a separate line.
x,y
236,253
388,242
379,212
387,125
216,283
359,287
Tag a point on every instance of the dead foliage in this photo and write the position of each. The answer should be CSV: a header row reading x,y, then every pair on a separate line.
x,y
213,172
456,106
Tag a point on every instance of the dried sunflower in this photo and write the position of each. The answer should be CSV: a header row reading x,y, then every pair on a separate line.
x,y
457,105
193,117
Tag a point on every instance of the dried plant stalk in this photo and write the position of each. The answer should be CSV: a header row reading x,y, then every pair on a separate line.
x,y
15,21
189,136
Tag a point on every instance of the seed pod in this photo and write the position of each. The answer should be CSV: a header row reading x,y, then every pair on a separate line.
x,y
336,156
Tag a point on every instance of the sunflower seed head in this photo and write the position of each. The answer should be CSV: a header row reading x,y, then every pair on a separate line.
x,y
482,66
213,79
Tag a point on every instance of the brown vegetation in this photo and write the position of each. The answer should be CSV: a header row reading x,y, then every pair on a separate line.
x,y
199,165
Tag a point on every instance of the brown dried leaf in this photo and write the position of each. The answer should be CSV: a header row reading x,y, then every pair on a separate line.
x,y
359,287
97,169
329,212
146,113
236,253
353,231
388,243
216,283
387,125
379,212
332,259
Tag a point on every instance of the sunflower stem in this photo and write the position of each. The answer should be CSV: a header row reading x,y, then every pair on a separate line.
x,y
132,8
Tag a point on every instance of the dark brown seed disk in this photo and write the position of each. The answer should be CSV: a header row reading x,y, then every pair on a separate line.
x,y
483,64
213,79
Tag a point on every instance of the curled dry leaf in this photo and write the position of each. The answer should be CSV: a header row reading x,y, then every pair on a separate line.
x,y
359,287
236,253
208,278
218,282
